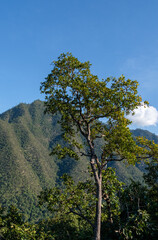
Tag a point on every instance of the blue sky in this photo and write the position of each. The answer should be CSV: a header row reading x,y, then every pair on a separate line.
x,y
116,36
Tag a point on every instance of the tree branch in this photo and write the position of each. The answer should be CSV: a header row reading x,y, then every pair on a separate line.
x,y
82,216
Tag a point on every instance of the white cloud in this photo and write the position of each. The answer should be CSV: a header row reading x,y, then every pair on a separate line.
x,y
144,116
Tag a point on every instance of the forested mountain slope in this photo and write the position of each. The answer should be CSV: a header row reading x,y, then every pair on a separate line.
x,y
26,138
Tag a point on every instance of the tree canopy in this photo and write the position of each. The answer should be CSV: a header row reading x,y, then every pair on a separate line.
x,y
83,102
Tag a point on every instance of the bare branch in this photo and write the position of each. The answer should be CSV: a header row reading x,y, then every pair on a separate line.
x,y
102,116
79,125
84,154
142,157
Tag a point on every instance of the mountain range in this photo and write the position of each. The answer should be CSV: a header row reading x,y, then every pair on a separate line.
x,y
27,136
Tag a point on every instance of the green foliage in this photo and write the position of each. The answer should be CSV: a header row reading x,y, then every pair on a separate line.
x,y
126,214
76,202
12,226
134,198
26,139
151,179
83,100
139,207
78,101
25,165
137,226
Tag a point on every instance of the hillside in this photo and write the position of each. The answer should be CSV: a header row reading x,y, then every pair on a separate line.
x,y
26,139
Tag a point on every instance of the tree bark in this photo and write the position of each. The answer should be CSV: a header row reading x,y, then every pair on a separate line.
x,y
97,173
97,227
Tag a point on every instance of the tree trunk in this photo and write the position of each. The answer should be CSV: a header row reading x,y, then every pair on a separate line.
x,y
97,227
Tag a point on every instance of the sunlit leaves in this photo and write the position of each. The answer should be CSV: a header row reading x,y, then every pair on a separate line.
x,y
83,100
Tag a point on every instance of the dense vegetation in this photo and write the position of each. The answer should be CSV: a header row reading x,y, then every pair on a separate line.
x,y
26,127
26,139
129,212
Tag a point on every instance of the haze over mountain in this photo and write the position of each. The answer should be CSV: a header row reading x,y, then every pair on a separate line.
x,y
26,139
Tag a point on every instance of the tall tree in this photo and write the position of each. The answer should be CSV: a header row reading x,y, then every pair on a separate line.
x,y
83,101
